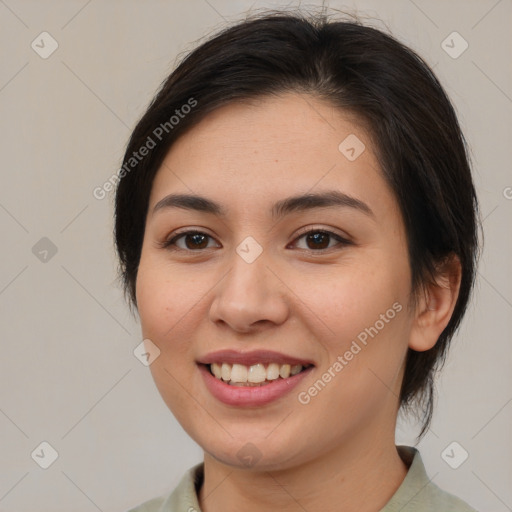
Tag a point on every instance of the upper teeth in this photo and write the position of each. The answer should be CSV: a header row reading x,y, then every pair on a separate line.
x,y
255,373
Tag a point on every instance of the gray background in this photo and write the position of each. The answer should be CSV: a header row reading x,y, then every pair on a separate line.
x,y
69,375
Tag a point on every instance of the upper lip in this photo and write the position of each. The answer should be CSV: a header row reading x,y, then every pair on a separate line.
x,y
251,358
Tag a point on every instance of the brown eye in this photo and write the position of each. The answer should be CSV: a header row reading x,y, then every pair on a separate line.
x,y
194,240
197,241
318,240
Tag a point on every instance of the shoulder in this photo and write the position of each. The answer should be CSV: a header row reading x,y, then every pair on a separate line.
x,y
418,493
181,499
153,505
442,500
431,498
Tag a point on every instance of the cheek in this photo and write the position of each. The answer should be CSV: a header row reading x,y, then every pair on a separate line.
x,y
347,299
171,303
165,311
160,299
362,318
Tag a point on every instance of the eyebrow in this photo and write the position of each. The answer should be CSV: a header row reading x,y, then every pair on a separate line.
x,y
330,198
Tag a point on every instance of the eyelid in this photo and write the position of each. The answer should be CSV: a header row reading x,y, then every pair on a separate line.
x,y
329,230
171,239
343,239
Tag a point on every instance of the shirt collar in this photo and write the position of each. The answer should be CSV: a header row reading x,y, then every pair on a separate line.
x,y
184,498
414,482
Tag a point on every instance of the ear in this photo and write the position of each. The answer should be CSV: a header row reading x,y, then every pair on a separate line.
x,y
435,305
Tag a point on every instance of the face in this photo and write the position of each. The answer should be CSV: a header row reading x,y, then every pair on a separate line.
x,y
321,284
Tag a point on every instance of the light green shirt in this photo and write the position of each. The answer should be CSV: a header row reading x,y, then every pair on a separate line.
x,y
416,493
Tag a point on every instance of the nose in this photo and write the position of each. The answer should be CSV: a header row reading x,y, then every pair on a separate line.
x,y
250,298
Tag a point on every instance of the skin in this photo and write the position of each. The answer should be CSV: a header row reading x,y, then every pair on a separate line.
x,y
338,451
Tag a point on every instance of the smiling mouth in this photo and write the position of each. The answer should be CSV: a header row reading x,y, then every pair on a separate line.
x,y
255,375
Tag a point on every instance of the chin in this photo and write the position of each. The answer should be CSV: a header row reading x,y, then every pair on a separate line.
x,y
253,453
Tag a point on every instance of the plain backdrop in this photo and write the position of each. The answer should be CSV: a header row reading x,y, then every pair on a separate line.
x,y
68,373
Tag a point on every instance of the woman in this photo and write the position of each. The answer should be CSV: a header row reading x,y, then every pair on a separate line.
x,y
297,228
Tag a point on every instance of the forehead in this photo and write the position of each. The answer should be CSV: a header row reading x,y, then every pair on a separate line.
x,y
253,152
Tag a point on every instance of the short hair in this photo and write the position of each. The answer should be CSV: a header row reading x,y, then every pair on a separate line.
x,y
362,71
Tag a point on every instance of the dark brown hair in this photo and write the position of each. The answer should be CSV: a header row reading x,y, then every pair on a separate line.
x,y
361,70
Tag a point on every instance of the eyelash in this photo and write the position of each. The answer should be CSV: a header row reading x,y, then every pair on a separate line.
x,y
171,243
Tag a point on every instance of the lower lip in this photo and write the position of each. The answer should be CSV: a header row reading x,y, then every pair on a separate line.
x,y
246,396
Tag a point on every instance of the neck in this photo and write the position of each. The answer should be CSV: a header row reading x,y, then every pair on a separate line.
x,y
348,479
